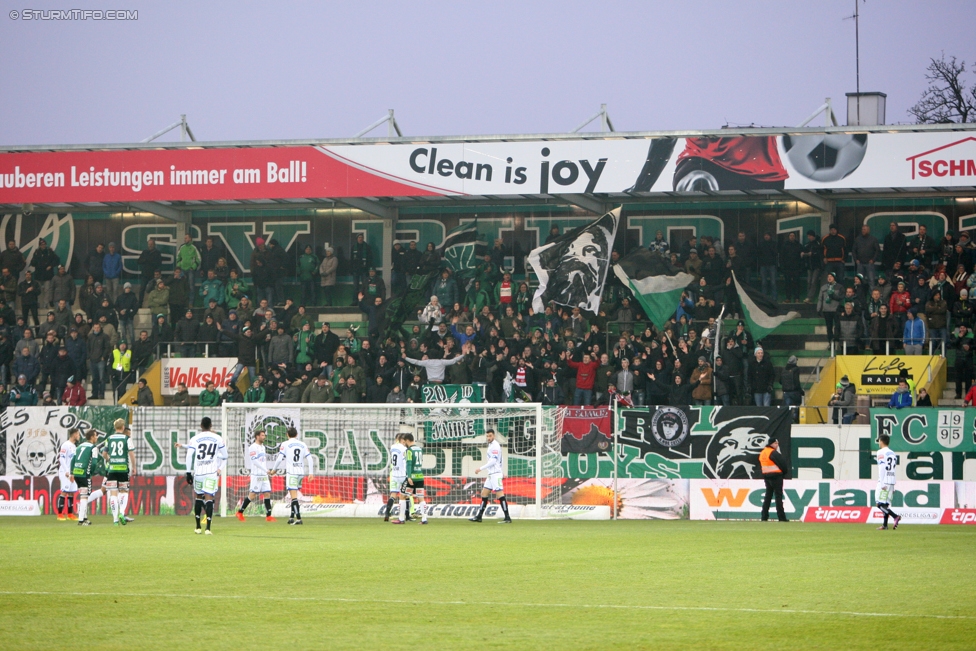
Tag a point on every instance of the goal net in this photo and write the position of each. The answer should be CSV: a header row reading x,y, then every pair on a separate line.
x,y
350,446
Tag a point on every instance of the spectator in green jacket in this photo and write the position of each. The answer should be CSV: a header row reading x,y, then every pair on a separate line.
x,y
209,397
308,265
188,260
256,393
212,288
477,297
236,289
304,344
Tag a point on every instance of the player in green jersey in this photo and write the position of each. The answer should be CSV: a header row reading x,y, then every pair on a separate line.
x,y
121,460
415,474
83,466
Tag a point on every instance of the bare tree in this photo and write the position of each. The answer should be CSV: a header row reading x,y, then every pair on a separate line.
x,y
947,99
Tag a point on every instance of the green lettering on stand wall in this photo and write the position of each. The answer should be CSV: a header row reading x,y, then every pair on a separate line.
x,y
824,463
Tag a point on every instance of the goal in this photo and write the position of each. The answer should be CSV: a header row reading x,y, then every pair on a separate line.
x,y
350,446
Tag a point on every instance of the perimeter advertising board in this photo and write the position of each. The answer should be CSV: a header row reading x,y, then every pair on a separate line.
x,y
916,501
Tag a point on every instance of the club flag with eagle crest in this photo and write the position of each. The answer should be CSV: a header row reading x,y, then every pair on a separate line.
x,y
572,269
654,281
461,248
761,314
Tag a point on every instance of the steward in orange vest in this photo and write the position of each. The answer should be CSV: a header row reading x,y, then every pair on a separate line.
x,y
773,468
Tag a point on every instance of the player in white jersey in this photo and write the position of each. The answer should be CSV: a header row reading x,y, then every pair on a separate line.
x,y
205,456
398,477
260,483
69,488
294,455
887,462
493,483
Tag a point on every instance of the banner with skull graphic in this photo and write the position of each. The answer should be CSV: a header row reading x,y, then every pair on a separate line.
x,y
717,442
34,435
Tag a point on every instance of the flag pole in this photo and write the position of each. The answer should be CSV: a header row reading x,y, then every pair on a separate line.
x,y
616,461
718,332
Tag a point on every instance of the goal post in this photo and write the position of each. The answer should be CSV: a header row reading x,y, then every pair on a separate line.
x,y
350,446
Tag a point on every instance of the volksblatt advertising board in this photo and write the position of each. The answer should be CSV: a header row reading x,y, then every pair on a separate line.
x,y
917,501
496,168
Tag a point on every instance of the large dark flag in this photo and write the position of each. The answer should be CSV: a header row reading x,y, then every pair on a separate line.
x,y
461,247
654,281
572,269
762,314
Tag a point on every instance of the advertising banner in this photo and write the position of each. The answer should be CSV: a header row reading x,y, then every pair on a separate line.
x,y
926,429
635,499
587,429
195,372
157,430
19,508
706,441
878,374
34,435
496,168
916,501
958,516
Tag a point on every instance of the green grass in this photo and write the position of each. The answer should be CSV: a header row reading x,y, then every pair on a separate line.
x,y
364,584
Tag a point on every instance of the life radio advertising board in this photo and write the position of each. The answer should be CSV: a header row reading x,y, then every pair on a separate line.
x,y
667,163
195,372
915,501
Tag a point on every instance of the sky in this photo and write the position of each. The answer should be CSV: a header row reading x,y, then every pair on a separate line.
x,y
304,70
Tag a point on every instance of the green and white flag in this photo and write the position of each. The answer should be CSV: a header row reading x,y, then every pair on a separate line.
x,y
461,246
654,281
762,314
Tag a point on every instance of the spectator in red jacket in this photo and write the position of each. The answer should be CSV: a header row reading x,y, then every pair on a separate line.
x,y
585,375
74,394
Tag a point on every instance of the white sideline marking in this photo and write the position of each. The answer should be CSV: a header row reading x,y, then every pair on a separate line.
x,y
790,611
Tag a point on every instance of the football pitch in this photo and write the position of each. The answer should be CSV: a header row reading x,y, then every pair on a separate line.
x,y
365,584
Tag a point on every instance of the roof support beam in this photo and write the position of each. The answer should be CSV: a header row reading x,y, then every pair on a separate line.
x,y
179,216
585,202
814,200
372,207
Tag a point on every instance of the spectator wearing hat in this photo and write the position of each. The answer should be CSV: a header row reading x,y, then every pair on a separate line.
x,y
899,304
834,253
774,469
843,401
47,356
327,276
913,334
262,271
111,271
144,395
48,325
761,377
29,291
866,251
703,379
150,261
256,393
828,304
22,393
247,342
127,306
157,300
232,394
319,391
936,314
74,393
62,287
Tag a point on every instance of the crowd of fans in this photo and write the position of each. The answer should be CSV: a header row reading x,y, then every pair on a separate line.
x,y
477,327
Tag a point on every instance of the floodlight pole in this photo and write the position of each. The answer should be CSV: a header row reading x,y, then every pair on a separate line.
x,y
393,129
605,123
184,131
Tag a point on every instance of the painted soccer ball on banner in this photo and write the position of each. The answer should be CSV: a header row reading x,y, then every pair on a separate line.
x,y
826,157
